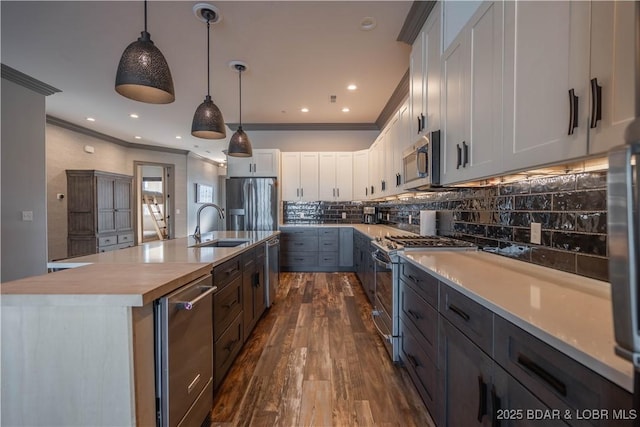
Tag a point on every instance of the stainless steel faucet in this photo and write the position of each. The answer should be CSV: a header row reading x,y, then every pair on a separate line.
x,y
196,233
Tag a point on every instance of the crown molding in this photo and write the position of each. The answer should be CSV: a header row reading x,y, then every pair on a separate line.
x,y
414,21
29,82
395,101
305,126
92,133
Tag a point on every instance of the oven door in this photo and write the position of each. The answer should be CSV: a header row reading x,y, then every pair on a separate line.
x,y
383,302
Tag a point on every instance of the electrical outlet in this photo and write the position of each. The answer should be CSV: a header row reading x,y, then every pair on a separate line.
x,y
344,215
27,215
536,233
409,219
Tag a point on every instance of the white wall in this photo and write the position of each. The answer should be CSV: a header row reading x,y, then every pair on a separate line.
x,y
201,172
65,151
24,243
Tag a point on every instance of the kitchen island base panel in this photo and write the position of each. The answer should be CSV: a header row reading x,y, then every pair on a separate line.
x,y
75,362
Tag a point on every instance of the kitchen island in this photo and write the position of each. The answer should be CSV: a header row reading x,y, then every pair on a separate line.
x,y
78,345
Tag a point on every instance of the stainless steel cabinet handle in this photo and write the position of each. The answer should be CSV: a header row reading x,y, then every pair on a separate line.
x,y
459,157
195,381
302,192
338,191
334,192
188,305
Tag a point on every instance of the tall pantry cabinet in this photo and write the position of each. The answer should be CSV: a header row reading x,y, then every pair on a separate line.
x,y
99,212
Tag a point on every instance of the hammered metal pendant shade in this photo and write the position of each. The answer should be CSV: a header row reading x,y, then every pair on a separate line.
x,y
239,145
143,73
208,122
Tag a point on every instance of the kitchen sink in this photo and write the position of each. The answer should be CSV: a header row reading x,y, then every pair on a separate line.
x,y
221,243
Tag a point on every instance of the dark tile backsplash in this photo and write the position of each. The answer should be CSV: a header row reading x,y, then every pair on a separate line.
x,y
572,211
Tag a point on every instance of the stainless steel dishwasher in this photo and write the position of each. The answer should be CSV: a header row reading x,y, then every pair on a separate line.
x,y
273,273
184,354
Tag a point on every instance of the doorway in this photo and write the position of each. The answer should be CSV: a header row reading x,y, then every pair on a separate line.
x,y
154,190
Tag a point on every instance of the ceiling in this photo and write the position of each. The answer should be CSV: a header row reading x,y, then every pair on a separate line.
x,y
298,53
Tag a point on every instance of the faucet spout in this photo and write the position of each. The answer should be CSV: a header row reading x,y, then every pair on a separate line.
x,y
220,210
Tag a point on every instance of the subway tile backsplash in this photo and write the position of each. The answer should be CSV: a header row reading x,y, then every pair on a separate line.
x,y
571,208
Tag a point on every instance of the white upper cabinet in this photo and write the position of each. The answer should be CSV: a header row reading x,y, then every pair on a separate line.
x,y
612,54
263,163
335,176
471,98
361,175
424,82
455,15
402,142
376,167
546,82
299,176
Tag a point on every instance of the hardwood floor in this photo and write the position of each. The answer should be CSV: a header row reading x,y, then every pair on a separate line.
x,y
315,359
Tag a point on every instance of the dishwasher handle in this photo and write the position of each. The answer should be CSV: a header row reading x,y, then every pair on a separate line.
x,y
377,258
188,305
273,242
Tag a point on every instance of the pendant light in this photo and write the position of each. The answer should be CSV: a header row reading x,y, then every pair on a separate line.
x,y
207,120
239,145
143,73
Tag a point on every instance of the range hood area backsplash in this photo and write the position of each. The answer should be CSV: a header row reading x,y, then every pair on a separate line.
x,y
571,208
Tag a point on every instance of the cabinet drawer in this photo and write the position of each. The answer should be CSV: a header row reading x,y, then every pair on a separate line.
x,y
226,349
107,241
302,233
248,259
422,369
309,244
327,259
302,259
227,303
328,245
226,272
330,233
475,321
125,238
421,282
415,311
556,379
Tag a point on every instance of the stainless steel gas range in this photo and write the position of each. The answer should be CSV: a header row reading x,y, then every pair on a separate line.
x,y
386,310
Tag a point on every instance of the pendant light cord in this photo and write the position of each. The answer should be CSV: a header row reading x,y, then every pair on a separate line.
x,y
208,54
240,83
145,16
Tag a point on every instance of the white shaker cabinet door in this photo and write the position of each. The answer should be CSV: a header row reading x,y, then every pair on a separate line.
x,y
327,176
361,175
290,182
546,82
612,55
344,176
309,177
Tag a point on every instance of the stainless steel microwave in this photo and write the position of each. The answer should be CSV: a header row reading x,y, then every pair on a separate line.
x,y
422,160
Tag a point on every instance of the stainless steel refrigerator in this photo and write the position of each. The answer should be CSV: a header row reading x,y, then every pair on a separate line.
x,y
252,204
623,193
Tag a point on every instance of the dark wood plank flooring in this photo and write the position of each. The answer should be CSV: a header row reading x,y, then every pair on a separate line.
x,y
315,359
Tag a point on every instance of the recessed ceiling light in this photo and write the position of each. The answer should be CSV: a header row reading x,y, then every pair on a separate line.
x,y
133,115
91,119
178,137
304,110
352,87
345,110
368,23
137,137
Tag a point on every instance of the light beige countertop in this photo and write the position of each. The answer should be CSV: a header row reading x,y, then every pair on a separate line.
x,y
569,312
130,285
128,277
